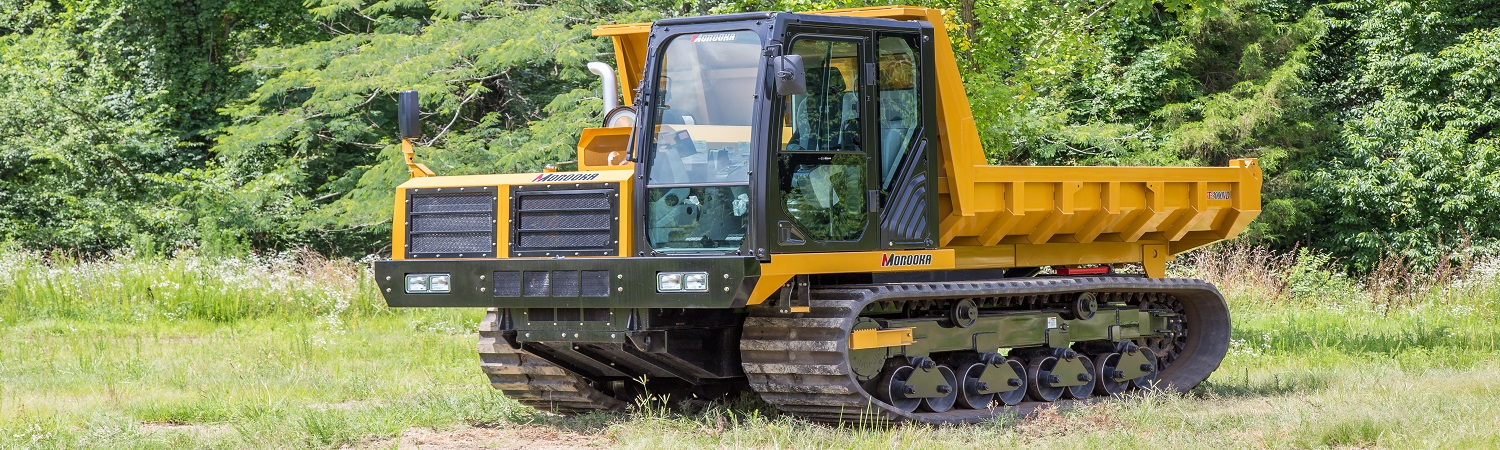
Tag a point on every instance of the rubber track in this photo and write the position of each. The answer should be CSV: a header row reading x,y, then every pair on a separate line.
x,y
799,362
533,381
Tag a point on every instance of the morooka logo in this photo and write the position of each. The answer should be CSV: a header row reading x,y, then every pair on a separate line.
x,y
565,177
718,37
889,260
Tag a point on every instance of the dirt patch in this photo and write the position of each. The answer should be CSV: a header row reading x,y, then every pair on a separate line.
x,y
347,406
498,437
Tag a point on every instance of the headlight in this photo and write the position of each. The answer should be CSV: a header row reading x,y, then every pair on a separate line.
x,y
668,282
682,282
696,281
437,283
427,283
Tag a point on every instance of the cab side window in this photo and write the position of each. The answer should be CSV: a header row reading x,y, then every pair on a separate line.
x,y
899,113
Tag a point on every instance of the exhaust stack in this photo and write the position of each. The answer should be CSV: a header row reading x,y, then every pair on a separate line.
x,y
611,87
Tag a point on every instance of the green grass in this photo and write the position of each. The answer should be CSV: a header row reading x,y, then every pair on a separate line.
x,y
296,351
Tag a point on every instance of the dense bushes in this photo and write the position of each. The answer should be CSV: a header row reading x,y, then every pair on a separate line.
x,y
237,125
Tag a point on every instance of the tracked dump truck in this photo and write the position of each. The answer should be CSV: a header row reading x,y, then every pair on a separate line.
x,y
798,205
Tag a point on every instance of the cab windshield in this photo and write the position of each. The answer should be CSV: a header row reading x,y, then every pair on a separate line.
x,y
698,175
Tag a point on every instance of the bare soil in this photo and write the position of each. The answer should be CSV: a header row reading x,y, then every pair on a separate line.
x,y
499,437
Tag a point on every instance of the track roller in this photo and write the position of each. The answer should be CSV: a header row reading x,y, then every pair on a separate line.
x,y
1082,373
994,377
908,383
1041,384
1112,381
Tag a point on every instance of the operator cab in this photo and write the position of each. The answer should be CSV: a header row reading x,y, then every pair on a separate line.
x,y
732,165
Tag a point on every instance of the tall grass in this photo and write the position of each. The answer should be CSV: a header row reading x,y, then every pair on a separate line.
x,y
295,350
124,287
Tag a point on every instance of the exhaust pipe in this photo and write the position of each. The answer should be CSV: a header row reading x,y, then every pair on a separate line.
x,y
611,87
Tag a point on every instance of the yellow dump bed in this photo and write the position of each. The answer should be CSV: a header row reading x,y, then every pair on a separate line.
x,y
1036,216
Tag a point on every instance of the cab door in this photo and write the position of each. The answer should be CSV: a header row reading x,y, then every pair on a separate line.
x,y
825,178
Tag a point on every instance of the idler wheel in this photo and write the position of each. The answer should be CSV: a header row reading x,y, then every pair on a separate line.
x,y
1087,377
1039,379
1111,380
964,313
893,388
950,394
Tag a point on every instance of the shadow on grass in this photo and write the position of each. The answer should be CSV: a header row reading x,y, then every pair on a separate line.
x,y
1349,339
1227,385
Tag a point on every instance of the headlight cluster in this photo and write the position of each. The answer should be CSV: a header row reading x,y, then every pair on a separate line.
x,y
682,282
427,283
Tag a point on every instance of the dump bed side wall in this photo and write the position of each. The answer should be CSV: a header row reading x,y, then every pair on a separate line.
x,y
1179,207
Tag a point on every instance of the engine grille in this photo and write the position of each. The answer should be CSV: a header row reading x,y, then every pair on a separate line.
x,y
555,283
451,222
569,220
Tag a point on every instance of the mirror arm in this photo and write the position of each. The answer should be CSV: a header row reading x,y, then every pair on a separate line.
x,y
412,166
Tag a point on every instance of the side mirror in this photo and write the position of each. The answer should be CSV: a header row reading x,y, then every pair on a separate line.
x,y
791,78
409,114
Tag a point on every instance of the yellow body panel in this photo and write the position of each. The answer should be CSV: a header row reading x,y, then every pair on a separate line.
x,y
604,149
630,55
611,174
784,266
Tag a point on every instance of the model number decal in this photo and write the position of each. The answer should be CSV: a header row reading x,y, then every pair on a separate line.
x,y
564,177
1218,195
889,260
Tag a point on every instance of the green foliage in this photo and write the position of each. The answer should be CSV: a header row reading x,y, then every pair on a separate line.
x,y
105,98
504,89
231,125
1418,173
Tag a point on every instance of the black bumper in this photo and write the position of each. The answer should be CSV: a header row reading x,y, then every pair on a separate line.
x,y
631,282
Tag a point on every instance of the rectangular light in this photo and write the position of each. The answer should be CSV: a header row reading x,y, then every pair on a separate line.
x,y
428,283
682,282
668,282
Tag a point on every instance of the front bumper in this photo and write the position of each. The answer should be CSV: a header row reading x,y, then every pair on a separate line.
x,y
631,282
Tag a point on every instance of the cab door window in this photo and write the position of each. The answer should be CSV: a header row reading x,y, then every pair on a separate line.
x,y
822,161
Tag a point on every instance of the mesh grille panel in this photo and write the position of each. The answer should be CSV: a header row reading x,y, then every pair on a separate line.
x,y
445,224
564,283
477,202
454,222
552,220
594,283
567,201
452,243
567,221
508,284
559,240
537,284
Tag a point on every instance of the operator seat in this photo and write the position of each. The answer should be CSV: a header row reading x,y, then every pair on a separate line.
x,y
821,124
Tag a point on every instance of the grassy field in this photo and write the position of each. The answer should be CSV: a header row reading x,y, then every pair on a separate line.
x,y
294,350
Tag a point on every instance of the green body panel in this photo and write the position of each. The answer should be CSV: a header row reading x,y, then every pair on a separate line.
x,y
1028,329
